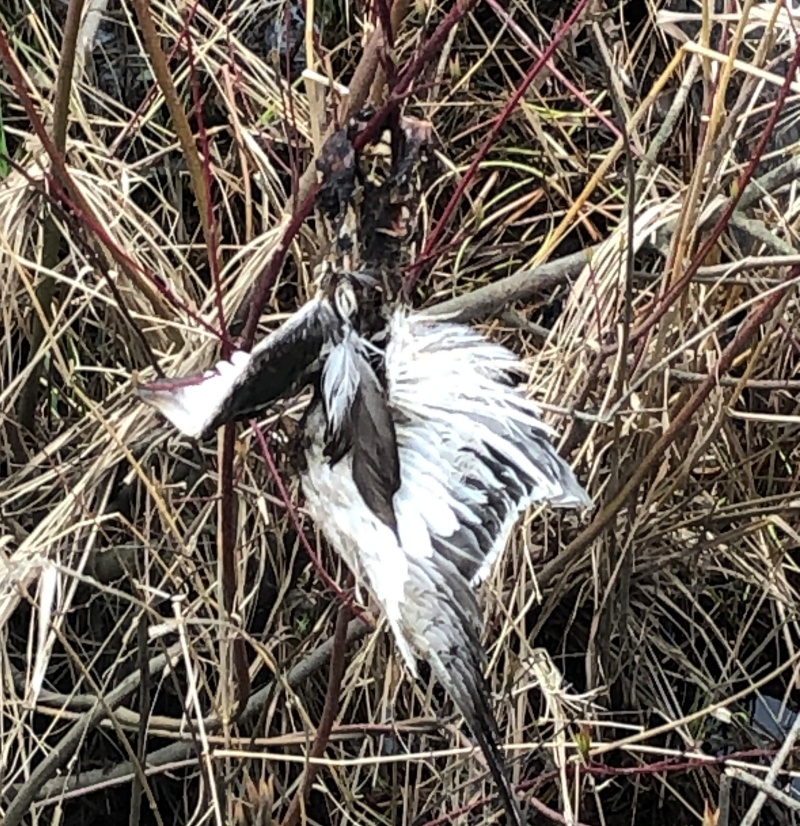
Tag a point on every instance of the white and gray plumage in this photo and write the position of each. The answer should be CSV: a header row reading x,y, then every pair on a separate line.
x,y
420,456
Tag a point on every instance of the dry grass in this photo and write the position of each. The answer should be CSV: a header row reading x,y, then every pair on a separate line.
x,y
625,650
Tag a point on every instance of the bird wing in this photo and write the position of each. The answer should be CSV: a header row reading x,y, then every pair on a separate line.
x,y
235,389
430,607
441,620
474,453
470,434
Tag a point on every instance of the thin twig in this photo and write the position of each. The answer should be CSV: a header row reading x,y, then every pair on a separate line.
x,y
46,290
329,712
761,313
69,743
429,250
781,757
71,786
144,717
329,581
180,122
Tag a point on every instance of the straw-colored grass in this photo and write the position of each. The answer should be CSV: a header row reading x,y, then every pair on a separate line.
x,y
626,649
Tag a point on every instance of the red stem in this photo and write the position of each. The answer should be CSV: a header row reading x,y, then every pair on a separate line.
x,y
665,301
213,242
329,712
71,196
269,274
500,121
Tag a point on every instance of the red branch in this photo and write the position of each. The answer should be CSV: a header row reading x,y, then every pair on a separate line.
x,y
269,274
487,144
683,763
329,712
665,301
213,246
72,198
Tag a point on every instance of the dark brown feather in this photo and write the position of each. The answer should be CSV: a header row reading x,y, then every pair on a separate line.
x,y
280,365
376,465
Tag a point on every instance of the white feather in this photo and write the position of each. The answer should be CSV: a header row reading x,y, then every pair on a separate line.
x,y
368,547
340,378
191,404
473,454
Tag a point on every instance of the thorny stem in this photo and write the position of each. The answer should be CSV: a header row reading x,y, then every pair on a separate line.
x,y
430,48
59,206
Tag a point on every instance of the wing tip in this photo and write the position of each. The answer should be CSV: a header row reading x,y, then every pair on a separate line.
x,y
575,498
486,732
192,403
169,403
572,493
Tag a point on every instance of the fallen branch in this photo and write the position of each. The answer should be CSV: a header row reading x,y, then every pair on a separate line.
x,y
47,790
68,745
524,285
521,286
763,787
